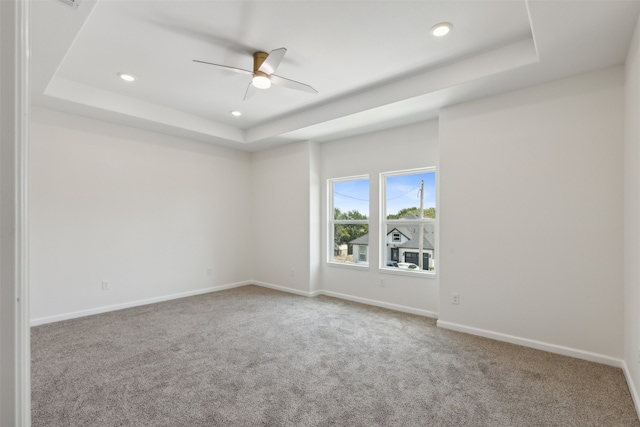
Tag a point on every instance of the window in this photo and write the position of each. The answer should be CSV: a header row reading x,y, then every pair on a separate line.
x,y
362,252
408,220
349,220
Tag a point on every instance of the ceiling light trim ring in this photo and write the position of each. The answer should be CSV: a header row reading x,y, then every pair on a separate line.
x,y
441,29
127,77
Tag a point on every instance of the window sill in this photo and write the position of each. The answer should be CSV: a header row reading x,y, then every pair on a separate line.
x,y
357,266
417,274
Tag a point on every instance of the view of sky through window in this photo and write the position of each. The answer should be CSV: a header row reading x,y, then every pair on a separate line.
x,y
403,191
351,196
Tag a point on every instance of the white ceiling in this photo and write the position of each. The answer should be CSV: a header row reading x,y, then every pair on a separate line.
x,y
374,63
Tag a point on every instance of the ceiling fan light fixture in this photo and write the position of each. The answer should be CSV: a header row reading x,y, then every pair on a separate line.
x,y
261,80
441,29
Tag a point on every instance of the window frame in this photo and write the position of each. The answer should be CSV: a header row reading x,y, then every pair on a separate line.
x,y
384,223
332,222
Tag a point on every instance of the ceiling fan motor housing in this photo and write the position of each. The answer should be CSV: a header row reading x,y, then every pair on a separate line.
x,y
260,79
258,59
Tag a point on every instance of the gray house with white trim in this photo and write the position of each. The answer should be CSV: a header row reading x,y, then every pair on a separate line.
x,y
402,245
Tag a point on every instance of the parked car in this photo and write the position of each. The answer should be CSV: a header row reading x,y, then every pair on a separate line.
x,y
407,266
392,264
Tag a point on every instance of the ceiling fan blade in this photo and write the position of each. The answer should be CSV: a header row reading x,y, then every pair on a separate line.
x,y
291,84
226,67
251,90
274,58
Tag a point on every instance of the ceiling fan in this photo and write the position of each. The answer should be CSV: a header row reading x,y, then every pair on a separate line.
x,y
264,65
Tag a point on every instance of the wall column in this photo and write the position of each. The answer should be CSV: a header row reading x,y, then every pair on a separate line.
x,y
15,390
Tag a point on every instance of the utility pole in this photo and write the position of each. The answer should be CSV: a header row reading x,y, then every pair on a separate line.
x,y
421,247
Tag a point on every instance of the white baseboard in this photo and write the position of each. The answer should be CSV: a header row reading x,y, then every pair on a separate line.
x,y
567,351
105,309
632,388
382,304
285,289
347,297
539,345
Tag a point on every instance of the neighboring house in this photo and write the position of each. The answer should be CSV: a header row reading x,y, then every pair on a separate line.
x,y
402,245
361,248
340,250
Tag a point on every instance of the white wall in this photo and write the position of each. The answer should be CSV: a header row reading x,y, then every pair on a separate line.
x,y
147,212
282,216
531,215
407,147
632,217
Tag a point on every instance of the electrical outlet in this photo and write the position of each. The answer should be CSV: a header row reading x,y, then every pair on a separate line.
x,y
293,272
209,271
105,285
382,283
455,298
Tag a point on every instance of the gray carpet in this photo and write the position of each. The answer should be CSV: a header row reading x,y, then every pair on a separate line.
x,y
257,357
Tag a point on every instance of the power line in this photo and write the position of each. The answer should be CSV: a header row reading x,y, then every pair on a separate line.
x,y
402,195
351,197
366,200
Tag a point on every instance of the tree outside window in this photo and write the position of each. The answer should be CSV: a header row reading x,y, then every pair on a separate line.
x,y
349,223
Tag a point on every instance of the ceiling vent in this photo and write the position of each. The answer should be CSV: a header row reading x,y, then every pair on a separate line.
x,y
73,3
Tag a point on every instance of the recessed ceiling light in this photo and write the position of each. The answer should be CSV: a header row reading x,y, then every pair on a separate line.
x,y
126,77
441,29
236,113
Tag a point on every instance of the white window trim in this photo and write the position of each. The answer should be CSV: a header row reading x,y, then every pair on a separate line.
x,y
383,224
331,222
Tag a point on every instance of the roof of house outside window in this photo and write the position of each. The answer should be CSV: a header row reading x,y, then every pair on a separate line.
x,y
362,240
411,232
